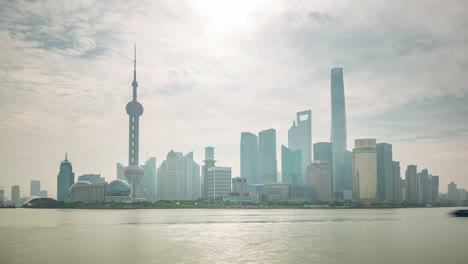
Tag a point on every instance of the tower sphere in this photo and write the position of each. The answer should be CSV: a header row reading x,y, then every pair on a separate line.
x,y
133,171
134,108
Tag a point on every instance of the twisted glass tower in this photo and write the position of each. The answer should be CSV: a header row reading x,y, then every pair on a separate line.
x,y
338,133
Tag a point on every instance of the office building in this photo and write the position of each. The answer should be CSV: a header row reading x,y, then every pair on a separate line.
x,y
2,196
209,162
435,189
89,192
178,177
323,151
218,182
412,185
120,171
291,166
267,163
15,194
319,178
338,132
35,188
385,177
149,178
365,170
240,189
397,187
44,194
92,178
249,157
300,138
277,191
65,179
452,192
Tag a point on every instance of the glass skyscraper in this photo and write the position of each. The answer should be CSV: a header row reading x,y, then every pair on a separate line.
x,y
291,168
385,177
300,138
65,179
249,157
338,132
267,163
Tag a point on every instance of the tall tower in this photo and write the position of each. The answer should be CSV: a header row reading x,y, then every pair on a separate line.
x,y
249,157
134,172
267,163
300,138
65,179
338,132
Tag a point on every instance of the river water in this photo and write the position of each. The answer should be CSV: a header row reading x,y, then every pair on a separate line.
x,y
426,235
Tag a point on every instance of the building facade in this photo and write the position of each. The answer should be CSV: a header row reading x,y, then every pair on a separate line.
x,y
319,178
277,191
65,179
149,178
385,177
338,133
15,194
90,193
300,138
397,186
267,163
218,182
291,166
365,170
35,188
249,157
209,162
412,184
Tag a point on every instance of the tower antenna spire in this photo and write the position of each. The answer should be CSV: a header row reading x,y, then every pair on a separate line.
x,y
134,83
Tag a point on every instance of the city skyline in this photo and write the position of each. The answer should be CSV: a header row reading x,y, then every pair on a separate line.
x,y
55,93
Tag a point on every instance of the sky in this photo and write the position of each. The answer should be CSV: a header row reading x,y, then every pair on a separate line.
x,y
209,70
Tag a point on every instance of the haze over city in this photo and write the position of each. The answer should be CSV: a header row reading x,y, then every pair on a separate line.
x,y
209,70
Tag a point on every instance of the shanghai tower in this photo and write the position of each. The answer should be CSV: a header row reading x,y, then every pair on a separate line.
x,y
134,172
338,132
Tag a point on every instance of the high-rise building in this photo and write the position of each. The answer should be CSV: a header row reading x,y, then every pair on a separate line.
x,y
149,178
425,187
249,157
412,184
435,189
267,163
338,132
15,194
239,189
65,179
323,151
300,138
385,177
218,182
120,171
397,188
35,188
178,177
319,178
44,194
452,192
2,196
291,166
209,163
134,172
365,170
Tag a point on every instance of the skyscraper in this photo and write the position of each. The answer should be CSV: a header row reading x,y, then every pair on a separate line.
x,y
219,182
178,177
209,162
120,171
300,138
249,157
15,194
338,131
365,170
425,187
267,163
435,189
319,178
397,188
291,166
324,151
65,179
35,188
134,172
452,192
149,178
412,184
385,177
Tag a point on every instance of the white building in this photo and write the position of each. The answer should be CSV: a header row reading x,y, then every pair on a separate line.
x,y
365,170
218,182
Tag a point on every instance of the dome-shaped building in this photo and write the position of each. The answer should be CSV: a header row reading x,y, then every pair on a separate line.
x,y
118,188
71,191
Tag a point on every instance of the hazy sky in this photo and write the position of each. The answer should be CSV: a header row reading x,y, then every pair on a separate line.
x,y
209,70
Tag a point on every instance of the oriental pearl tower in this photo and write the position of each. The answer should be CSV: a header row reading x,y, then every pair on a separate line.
x,y
134,172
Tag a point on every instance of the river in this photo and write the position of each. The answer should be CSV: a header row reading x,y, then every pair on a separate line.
x,y
420,235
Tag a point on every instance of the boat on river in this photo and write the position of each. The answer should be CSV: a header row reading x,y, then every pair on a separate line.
x,y
460,213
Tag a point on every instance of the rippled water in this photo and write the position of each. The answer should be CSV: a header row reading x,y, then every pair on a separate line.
x,y
426,235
